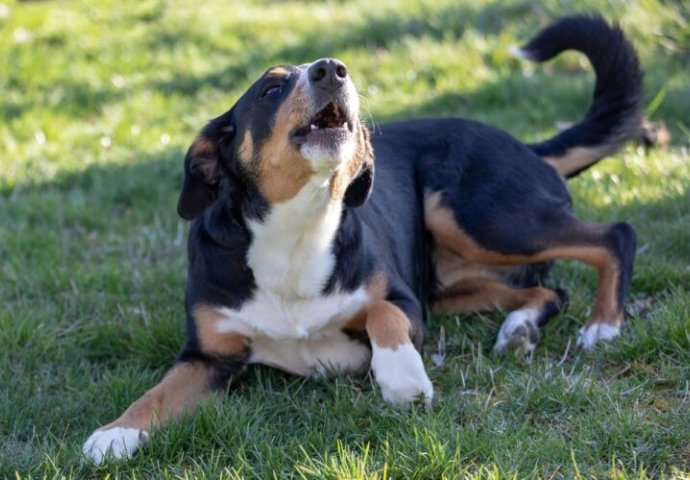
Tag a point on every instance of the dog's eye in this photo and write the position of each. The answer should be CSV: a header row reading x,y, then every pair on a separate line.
x,y
271,89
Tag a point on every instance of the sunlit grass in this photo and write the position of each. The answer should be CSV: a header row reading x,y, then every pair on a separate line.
x,y
99,102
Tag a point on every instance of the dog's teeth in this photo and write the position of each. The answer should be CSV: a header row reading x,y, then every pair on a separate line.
x,y
313,127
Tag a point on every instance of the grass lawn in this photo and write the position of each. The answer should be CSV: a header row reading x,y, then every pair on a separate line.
x,y
98,102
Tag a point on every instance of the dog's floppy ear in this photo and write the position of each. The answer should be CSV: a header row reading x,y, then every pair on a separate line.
x,y
202,169
360,187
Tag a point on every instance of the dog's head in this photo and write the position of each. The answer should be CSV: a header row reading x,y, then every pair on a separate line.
x,y
293,123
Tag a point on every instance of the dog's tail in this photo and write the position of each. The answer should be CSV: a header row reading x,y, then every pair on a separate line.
x,y
614,116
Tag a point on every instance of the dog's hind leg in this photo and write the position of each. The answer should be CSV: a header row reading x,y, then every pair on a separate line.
x,y
531,309
545,233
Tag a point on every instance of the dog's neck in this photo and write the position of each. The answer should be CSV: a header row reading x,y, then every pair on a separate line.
x,y
291,253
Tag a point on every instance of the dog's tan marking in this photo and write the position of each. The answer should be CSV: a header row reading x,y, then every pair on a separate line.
x,y
606,307
441,223
205,156
451,269
278,72
577,158
246,150
377,288
346,172
343,176
358,323
202,146
211,341
283,171
482,295
181,389
387,325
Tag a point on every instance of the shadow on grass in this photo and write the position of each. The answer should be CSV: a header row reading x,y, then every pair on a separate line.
x,y
379,31
451,23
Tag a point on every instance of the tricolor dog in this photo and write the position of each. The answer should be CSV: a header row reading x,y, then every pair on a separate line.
x,y
317,245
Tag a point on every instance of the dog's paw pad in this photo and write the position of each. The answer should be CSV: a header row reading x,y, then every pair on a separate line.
x,y
519,333
596,332
401,376
117,442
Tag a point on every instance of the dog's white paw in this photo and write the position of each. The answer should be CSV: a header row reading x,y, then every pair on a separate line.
x,y
117,442
401,375
590,335
519,332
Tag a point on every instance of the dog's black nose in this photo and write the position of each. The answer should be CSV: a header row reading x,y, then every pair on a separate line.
x,y
328,73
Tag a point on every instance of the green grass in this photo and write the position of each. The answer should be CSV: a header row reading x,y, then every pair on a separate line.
x,y
99,101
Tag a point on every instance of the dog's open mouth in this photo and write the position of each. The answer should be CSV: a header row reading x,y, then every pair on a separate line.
x,y
330,124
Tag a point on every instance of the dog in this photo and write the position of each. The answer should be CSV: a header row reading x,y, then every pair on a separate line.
x,y
299,260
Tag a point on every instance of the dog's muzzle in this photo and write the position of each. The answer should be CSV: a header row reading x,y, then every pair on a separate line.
x,y
335,105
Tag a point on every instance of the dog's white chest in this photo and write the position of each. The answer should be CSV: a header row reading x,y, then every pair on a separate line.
x,y
269,315
292,325
291,251
302,336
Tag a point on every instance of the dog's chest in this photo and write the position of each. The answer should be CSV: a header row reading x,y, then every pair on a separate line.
x,y
302,336
291,254
293,325
280,319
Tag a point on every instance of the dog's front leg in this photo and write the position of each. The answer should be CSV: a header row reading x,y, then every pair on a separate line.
x,y
396,363
184,387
